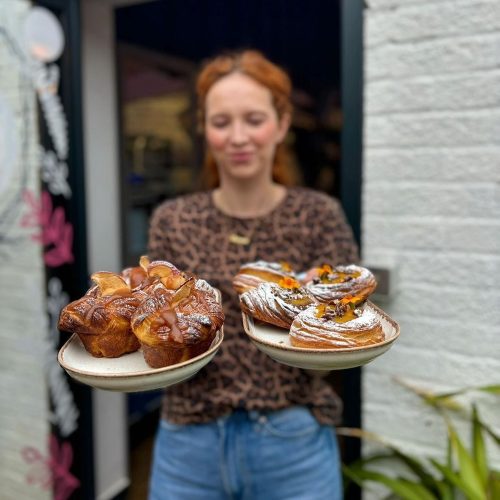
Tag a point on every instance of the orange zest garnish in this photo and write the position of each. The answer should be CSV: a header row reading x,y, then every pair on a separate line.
x,y
325,269
286,266
351,301
320,310
289,283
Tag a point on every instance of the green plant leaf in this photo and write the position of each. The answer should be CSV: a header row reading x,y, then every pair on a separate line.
x,y
478,447
494,389
445,490
406,489
419,469
494,485
492,434
452,478
468,469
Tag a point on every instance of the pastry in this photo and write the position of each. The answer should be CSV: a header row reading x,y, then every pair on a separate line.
x,y
135,276
330,283
252,274
276,303
341,324
101,318
176,325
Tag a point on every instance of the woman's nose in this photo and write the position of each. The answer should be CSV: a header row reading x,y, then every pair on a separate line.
x,y
238,134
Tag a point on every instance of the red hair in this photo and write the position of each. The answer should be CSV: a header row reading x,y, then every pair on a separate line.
x,y
253,64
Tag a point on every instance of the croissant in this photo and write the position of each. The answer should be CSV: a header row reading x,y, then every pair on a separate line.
x,y
336,325
332,284
101,318
176,325
277,304
252,274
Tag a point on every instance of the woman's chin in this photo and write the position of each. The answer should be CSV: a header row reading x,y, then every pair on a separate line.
x,y
244,171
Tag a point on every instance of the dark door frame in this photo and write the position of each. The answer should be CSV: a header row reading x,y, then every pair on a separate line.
x,y
351,177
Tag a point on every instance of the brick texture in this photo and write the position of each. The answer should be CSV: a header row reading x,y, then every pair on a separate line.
x,y
431,210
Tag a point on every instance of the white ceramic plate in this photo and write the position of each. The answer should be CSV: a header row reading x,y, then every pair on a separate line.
x,y
128,373
275,342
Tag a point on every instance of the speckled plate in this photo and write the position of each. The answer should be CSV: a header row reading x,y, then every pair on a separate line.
x,y
129,373
275,342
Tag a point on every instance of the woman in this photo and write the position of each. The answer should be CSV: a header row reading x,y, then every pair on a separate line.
x,y
245,426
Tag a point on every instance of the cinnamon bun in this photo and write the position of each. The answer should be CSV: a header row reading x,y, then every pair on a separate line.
x,y
330,284
276,303
252,274
337,325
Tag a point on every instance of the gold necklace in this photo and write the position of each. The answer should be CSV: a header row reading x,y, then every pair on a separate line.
x,y
241,239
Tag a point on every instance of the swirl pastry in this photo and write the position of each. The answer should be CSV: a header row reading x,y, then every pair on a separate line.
x,y
332,284
336,325
176,325
101,318
275,303
252,274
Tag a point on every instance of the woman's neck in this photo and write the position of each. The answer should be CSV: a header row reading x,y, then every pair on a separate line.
x,y
245,200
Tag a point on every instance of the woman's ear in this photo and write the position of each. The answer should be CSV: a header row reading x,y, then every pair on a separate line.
x,y
284,125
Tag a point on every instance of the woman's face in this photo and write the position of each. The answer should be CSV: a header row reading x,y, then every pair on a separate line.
x,y
242,128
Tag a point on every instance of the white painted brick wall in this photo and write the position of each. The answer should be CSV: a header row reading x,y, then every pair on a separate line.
x,y
431,209
23,390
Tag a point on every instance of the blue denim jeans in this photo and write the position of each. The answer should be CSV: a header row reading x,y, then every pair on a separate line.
x,y
282,455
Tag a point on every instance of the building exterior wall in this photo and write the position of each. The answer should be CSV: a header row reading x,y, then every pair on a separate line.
x,y
431,208
24,416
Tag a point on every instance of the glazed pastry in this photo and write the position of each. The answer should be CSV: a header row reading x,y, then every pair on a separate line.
x,y
148,273
338,325
276,303
252,274
101,318
176,325
331,284
135,276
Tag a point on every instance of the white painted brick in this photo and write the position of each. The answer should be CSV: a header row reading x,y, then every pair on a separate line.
x,y
439,367
440,164
433,57
433,233
392,4
455,304
433,129
419,199
432,20
444,335
459,91
472,271
431,207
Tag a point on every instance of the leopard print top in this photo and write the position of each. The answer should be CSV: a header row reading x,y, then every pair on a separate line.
x,y
307,229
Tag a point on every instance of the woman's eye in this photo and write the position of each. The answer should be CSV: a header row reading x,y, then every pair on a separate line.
x,y
256,119
219,122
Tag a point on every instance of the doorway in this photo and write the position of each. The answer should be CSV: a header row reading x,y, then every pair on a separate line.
x,y
160,46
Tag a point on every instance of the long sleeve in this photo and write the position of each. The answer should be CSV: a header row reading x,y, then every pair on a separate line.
x,y
333,240
159,247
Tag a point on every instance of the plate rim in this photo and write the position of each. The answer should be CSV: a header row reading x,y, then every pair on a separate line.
x,y
129,375
248,322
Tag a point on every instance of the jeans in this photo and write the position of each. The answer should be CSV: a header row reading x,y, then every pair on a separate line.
x,y
281,455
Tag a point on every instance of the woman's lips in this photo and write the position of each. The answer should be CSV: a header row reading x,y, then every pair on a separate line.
x,y
240,157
